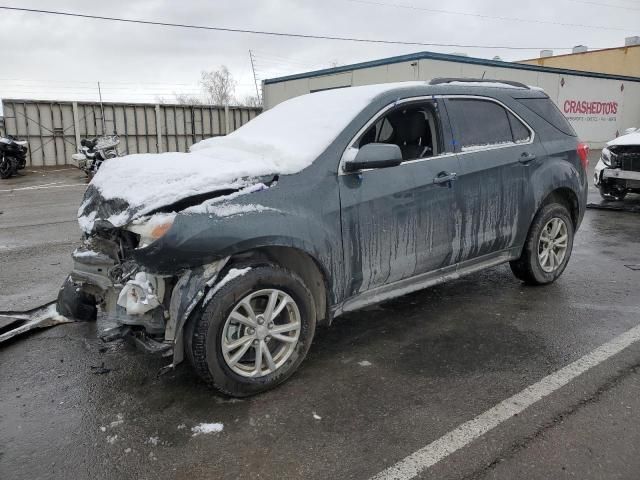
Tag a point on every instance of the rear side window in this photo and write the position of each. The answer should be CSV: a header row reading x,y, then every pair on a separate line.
x,y
545,108
480,123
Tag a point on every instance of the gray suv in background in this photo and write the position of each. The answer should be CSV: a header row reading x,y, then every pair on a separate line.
x,y
416,184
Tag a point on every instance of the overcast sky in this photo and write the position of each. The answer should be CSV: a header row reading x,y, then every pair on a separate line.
x,y
62,58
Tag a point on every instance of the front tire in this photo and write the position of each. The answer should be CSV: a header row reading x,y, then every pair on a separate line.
x,y
75,304
6,167
548,246
612,194
254,332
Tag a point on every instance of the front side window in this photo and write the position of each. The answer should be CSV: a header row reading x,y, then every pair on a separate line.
x,y
415,128
482,123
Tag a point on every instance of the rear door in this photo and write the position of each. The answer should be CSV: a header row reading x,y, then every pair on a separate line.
x,y
396,222
496,150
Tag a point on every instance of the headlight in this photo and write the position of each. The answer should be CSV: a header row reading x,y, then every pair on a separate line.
x,y
606,156
152,228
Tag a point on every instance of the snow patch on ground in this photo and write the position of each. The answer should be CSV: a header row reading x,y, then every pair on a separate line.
x,y
206,428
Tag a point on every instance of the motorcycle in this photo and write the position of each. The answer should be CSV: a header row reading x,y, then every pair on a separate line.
x,y
95,151
13,156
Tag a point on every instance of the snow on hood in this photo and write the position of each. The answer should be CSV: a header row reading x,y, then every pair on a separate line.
x,y
628,139
283,140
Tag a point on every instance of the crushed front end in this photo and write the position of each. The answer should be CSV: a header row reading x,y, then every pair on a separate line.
x,y
137,301
618,171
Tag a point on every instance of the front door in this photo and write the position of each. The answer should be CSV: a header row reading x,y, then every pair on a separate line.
x,y
397,221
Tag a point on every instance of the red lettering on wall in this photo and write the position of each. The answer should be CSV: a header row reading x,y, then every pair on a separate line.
x,y
586,107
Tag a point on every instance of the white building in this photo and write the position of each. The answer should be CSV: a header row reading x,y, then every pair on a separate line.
x,y
598,105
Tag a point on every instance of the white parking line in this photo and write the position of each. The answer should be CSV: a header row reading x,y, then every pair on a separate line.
x,y
45,186
463,435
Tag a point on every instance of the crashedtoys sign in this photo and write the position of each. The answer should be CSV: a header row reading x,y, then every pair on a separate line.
x,y
593,107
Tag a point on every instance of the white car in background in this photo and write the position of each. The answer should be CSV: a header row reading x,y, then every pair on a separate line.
x,y
618,170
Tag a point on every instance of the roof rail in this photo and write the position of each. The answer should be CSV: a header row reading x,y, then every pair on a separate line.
x,y
443,80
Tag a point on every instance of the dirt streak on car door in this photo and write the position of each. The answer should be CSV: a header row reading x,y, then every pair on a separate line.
x,y
396,223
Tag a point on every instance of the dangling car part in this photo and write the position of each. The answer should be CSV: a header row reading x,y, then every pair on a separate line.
x,y
618,170
93,152
13,156
230,255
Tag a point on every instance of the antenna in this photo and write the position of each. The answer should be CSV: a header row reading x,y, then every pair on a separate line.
x,y
101,107
255,79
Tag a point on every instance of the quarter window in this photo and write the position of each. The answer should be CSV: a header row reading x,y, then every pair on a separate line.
x,y
482,123
521,134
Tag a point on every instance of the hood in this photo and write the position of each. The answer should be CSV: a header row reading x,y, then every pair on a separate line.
x,y
626,140
98,213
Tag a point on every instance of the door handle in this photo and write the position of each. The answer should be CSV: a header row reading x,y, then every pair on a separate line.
x,y
445,178
526,158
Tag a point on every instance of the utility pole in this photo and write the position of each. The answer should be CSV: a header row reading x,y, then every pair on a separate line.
x,y
255,79
101,108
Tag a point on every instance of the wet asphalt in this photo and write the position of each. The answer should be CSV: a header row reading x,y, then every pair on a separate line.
x,y
376,386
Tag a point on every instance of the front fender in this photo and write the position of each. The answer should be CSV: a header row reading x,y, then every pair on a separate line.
x,y
200,239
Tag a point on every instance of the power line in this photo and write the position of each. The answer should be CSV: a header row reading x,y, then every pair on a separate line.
x,y
609,5
491,17
271,33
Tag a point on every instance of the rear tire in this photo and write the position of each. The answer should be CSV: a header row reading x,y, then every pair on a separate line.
x,y
533,267
211,331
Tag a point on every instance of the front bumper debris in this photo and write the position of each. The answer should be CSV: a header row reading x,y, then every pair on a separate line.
x,y
147,309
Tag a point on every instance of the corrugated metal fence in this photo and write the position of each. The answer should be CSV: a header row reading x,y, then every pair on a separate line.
x,y
54,129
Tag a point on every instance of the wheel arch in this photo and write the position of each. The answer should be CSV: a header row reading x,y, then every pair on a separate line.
x,y
302,263
567,197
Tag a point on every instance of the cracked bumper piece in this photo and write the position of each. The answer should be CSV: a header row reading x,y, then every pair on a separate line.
x,y
148,309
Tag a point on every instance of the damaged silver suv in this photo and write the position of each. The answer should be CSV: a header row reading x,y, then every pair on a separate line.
x,y
232,254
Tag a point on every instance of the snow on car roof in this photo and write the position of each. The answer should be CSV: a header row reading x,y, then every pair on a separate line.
x,y
628,139
283,140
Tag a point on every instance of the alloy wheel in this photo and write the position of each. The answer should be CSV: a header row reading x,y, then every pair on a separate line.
x,y
261,333
553,244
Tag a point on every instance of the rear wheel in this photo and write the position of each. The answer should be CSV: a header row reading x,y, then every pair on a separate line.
x,y
548,246
254,332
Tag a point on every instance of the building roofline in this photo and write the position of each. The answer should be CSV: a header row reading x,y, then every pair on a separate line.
x,y
449,58
623,47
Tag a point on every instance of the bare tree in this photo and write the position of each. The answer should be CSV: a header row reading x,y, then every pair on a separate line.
x,y
184,99
219,86
251,101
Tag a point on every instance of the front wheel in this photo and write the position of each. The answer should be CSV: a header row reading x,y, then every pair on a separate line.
x,y
609,193
254,332
548,246
6,167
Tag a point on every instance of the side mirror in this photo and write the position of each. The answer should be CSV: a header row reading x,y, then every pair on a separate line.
x,y
375,155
